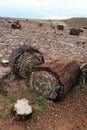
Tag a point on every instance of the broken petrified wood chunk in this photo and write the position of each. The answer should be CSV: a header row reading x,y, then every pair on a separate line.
x,y
4,71
55,79
75,31
4,63
24,59
84,72
16,25
22,110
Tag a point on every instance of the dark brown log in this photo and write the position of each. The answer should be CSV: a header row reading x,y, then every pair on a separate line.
x,y
55,79
16,25
75,31
60,27
24,59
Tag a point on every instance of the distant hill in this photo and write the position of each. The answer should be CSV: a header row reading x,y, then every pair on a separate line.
x,y
76,22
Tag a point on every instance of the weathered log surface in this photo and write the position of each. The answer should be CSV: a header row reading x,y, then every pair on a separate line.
x,y
56,78
84,72
24,59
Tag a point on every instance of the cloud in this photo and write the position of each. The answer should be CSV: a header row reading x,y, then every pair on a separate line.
x,y
43,8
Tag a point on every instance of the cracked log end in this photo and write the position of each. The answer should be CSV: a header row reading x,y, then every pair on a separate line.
x,y
22,110
55,79
24,59
46,83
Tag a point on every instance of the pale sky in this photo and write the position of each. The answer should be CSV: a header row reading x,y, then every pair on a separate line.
x,y
41,9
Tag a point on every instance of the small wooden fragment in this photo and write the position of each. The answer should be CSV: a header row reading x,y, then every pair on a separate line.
x,y
5,63
22,110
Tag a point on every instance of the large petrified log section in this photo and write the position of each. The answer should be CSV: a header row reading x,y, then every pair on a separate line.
x,y
24,59
55,79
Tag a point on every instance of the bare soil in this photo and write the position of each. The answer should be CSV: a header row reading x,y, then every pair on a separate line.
x,y
71,112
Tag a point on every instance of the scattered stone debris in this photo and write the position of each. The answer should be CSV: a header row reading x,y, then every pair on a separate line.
x,y
75,31
22,110
4,63
40,24
60,27
16,25
52,26
80,42
4,71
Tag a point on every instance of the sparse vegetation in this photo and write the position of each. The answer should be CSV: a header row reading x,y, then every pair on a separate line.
x,y
1,114
1,58
9,112
8,78
40,105
10,98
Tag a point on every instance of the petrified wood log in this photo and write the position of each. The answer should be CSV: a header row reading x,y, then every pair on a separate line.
x,y
84,72
75,31
24,59
16,25
22,110
60,27
55,79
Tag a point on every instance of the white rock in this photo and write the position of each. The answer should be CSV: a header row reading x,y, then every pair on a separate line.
x,y
5,61
22,107
4,71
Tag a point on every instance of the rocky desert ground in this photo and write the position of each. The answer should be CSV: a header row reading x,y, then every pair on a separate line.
x,y
71,112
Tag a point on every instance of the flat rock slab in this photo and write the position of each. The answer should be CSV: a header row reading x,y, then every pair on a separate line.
x,y
22,110
4,71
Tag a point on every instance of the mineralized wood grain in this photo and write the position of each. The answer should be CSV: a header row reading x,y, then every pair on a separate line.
x,y
24,59
64,74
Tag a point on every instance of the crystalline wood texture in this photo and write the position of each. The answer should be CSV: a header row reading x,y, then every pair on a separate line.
x,y
24,59
55,79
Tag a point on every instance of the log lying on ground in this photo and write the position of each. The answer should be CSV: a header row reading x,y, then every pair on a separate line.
x,y
22,110
24,59
55,79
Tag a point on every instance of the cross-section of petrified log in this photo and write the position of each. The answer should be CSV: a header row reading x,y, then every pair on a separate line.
x,y
24,59
55,79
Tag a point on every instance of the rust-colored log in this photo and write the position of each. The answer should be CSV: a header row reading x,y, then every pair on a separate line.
x,y
24,59
55,79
